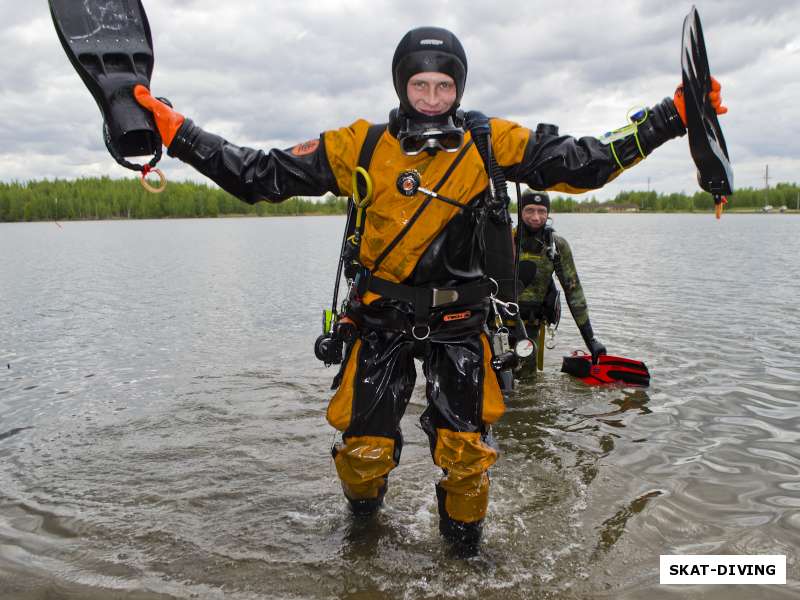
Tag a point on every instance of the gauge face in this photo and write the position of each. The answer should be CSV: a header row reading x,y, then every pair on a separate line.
x,y
524,348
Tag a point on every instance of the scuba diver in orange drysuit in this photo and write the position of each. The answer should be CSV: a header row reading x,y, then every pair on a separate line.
x,y
420,273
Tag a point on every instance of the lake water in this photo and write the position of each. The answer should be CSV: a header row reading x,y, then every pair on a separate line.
x,y
162,430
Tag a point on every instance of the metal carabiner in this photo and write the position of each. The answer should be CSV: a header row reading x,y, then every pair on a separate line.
x,y
512,308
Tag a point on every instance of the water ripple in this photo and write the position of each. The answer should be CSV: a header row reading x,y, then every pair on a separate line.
x,y
163,431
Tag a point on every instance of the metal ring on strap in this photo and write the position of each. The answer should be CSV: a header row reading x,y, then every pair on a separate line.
x,y
422,338
149,186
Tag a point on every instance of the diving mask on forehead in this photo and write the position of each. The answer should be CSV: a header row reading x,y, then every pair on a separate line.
x,y
416,137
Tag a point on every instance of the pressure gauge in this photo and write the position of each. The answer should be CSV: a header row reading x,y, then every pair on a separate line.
x,y
524,348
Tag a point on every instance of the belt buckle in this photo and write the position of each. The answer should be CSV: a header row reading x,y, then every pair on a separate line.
x,y
441,297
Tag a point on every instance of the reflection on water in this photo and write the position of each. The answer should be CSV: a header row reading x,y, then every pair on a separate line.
x,y
162,429
613,528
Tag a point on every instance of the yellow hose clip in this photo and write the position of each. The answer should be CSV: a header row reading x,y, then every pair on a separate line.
x,y
361,203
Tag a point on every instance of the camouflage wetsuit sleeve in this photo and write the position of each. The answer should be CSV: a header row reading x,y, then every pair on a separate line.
x,y
568,276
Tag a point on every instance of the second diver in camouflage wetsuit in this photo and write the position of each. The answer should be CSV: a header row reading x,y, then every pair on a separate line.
x,y
542,253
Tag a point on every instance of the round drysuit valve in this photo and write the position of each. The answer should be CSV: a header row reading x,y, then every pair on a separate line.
x,y
408,182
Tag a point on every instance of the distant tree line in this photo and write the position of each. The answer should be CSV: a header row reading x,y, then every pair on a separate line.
x,y
105,198
783,194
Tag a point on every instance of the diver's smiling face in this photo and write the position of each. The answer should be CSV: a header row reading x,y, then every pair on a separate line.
x,y
431,93
534,216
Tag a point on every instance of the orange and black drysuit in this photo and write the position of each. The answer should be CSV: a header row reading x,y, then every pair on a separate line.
x,y
426,245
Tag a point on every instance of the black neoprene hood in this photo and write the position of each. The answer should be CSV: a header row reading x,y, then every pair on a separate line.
x,y
533,197
428,49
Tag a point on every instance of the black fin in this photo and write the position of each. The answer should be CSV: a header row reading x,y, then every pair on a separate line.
x,y
706,142
109,44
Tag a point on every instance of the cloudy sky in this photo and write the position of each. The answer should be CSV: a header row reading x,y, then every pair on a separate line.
x,y
270,74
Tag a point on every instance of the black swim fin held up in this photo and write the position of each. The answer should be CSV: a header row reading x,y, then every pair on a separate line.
x,y
706,142
109,44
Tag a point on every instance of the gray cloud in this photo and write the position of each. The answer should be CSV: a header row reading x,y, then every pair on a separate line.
x,y
273,73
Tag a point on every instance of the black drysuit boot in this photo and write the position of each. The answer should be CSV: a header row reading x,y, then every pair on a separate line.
x,y
464,538
368,506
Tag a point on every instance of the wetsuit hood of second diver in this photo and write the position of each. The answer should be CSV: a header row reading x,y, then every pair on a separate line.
x,y
532,197
426,49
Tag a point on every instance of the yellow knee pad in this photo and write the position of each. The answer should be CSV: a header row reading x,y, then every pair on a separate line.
x,y
362,464
465,459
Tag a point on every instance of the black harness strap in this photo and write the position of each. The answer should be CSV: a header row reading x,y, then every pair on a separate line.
x,y
421,298
351,239
422,207
374,134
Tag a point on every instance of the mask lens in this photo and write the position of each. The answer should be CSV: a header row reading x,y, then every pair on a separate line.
x,y
412,144
449,141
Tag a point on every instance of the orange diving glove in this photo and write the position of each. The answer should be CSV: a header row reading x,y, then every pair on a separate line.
x,y
715,96
167,120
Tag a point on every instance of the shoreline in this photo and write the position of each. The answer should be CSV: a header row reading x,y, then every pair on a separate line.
x,y
788,212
